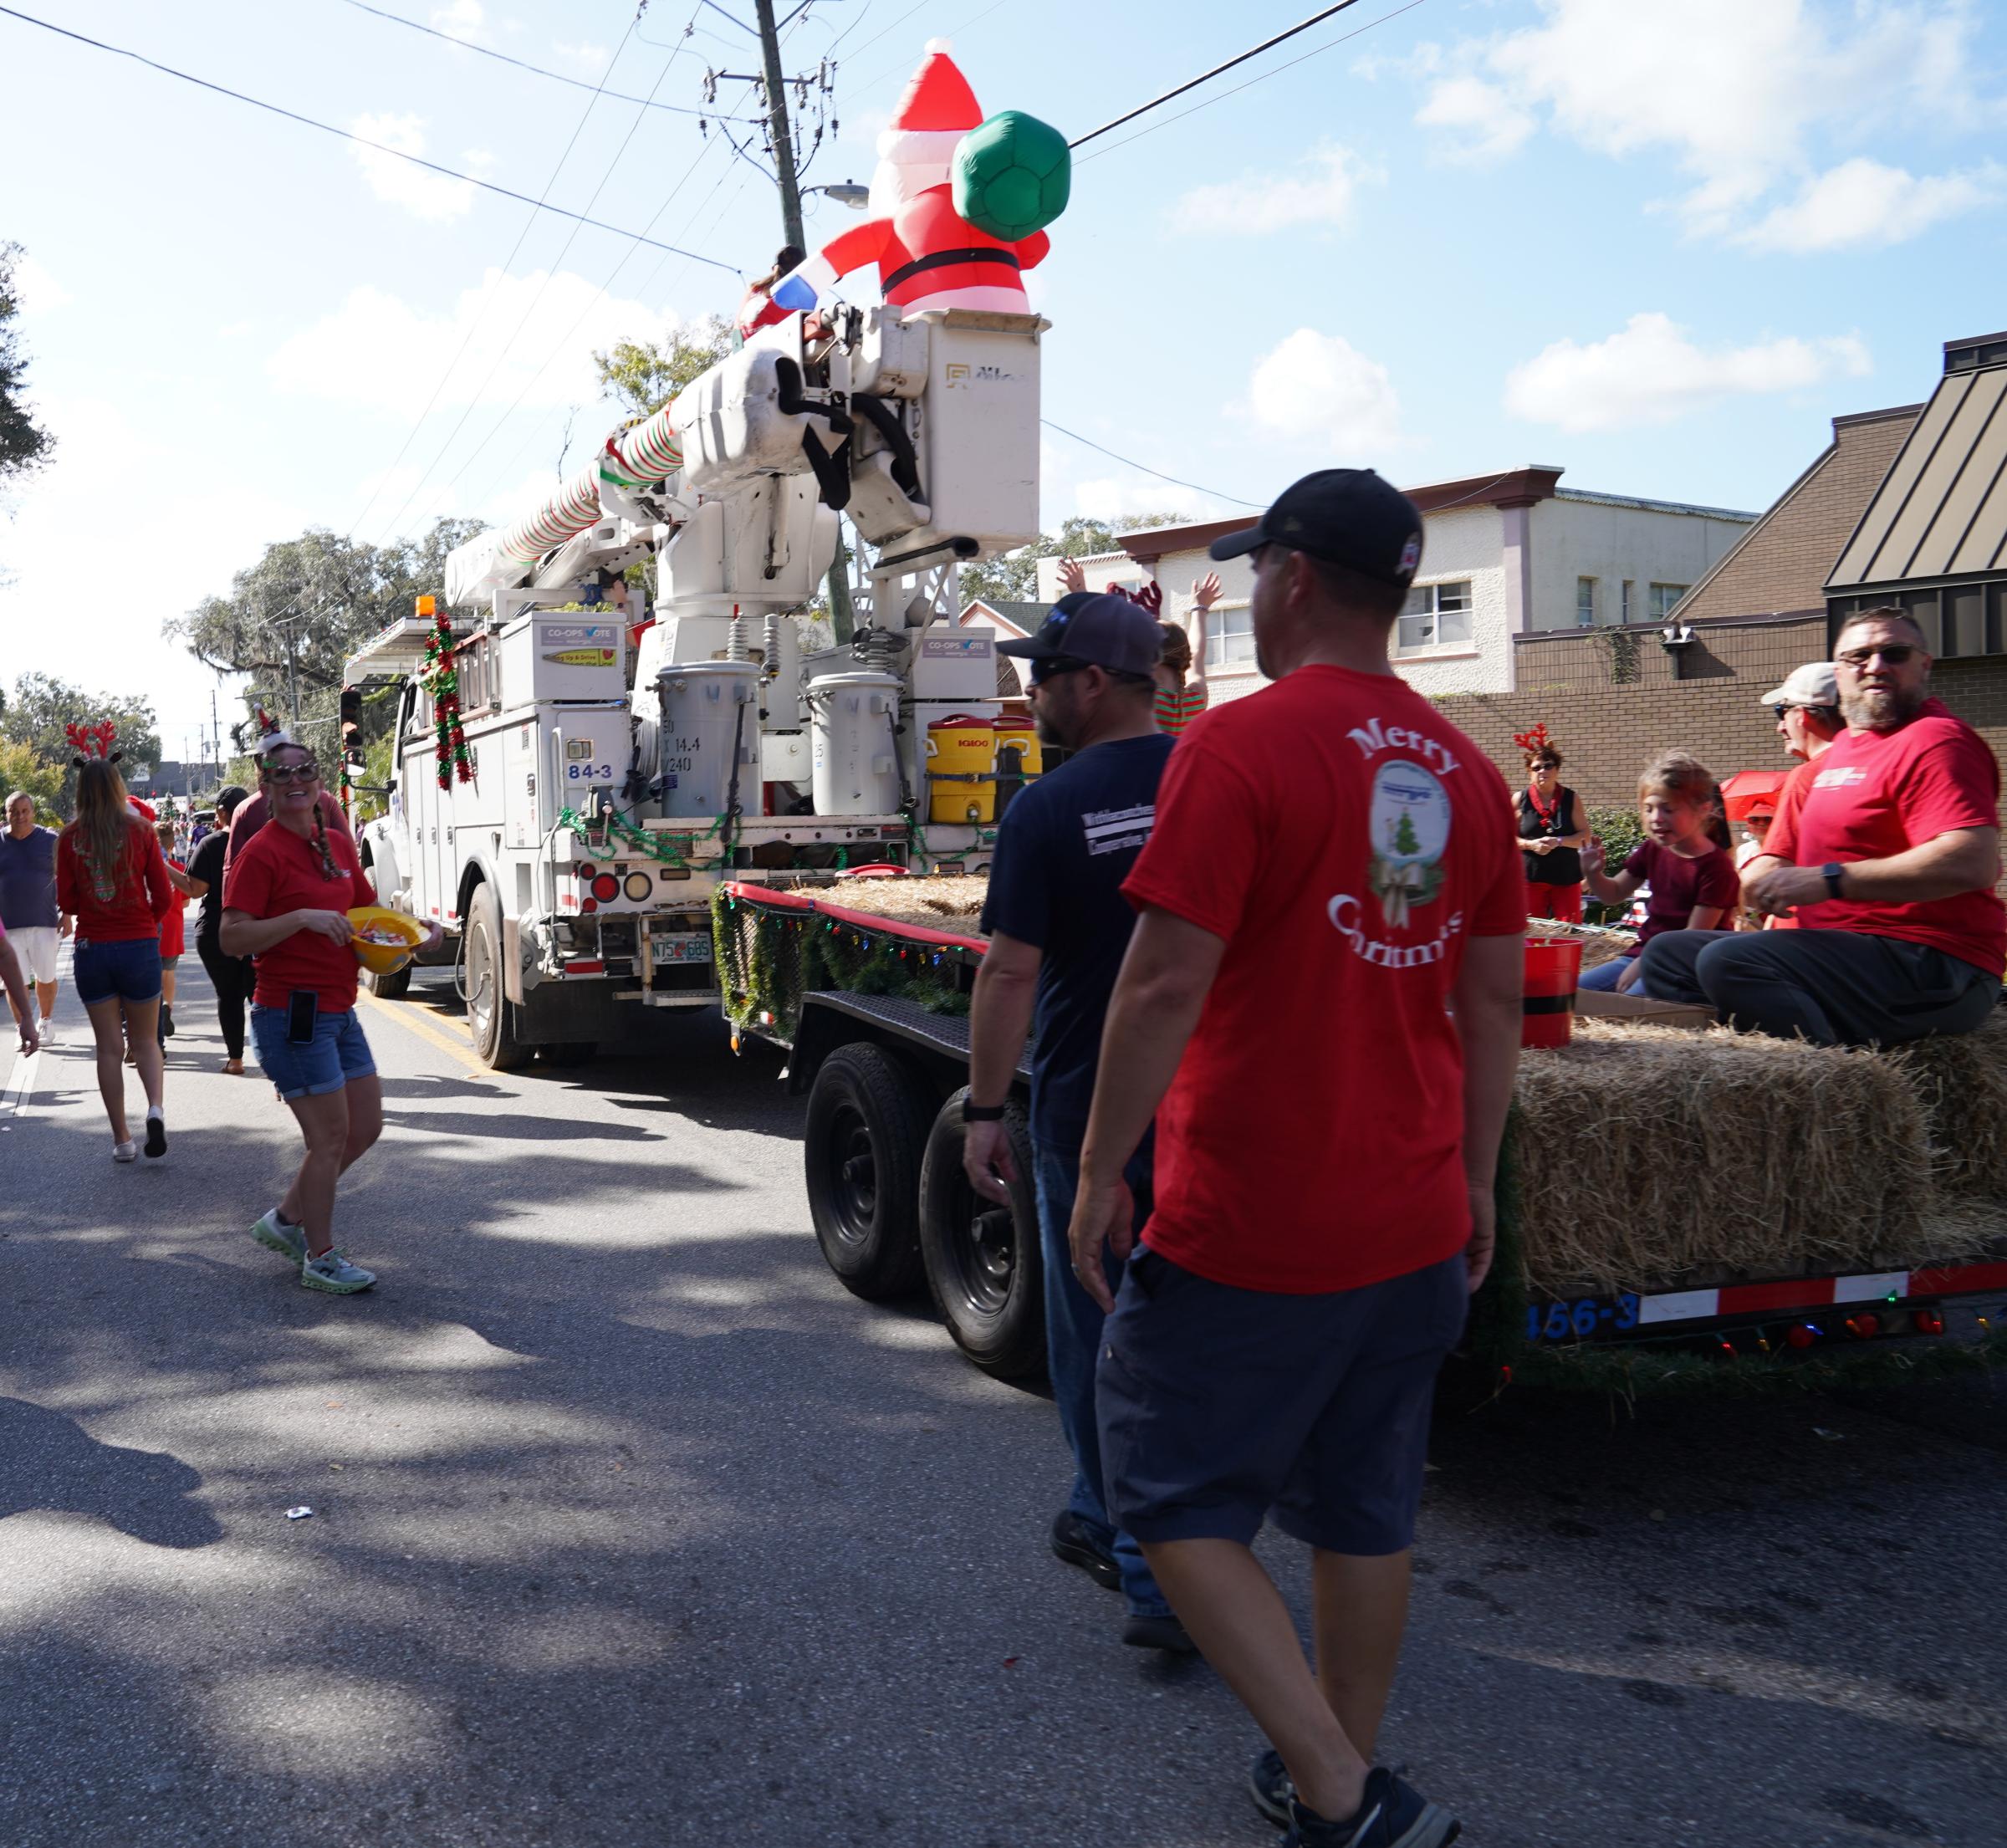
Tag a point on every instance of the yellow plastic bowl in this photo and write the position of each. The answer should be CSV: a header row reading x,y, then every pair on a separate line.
x,y
385,958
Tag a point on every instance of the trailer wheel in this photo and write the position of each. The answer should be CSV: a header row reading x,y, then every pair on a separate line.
x,y
490,1014
983,1262
393,986
867,1123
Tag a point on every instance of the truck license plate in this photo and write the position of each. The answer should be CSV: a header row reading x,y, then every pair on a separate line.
x,y
681,949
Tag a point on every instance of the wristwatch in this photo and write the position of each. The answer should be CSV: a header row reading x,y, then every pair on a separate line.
x,y
1830,872
982,1113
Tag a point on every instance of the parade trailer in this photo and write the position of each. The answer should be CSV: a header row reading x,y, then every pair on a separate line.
x,y
1675,1205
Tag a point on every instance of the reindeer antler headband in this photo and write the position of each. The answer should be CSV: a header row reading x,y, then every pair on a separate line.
x,y
92,741
1535,740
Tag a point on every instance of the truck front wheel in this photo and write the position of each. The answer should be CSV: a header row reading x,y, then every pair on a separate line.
x,y
983,1263
490,1015
867,1120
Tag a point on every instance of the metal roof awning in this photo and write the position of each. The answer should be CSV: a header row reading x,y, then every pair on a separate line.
x,y
1941,511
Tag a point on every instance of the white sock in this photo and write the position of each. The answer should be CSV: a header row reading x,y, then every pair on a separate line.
x,y
153,1111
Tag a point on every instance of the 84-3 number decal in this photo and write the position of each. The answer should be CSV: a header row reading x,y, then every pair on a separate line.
x,y
1580,1320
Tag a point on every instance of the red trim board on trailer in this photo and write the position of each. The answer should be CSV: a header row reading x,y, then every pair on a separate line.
x,y
870,920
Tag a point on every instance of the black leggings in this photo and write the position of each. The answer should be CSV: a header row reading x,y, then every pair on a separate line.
x,y
232,977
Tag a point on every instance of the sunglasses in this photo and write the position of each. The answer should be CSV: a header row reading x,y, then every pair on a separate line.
x,y
293,773
1055,664
1895,654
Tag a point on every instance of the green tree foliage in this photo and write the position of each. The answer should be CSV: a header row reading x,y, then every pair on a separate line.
x,y
644,374
1013,578
20,769
23,444
39,713
303,609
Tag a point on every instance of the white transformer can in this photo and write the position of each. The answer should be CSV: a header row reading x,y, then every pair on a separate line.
x,y
856,764
710,710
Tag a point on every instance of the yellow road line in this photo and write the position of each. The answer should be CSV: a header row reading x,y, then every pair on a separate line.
x,y
411,1017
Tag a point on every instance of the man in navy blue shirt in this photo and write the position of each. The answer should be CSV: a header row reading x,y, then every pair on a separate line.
x,y
1058,925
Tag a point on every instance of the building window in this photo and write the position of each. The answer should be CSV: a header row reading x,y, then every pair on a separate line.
x,y
1624,608
1229,636
1663,597
1584,603
1438,615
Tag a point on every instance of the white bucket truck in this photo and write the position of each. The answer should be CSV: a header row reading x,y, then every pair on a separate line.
x,y
624,760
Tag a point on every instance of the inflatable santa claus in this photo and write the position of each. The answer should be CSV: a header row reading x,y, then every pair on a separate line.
x,y
957,204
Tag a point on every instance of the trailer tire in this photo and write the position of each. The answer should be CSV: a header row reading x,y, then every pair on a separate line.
x,y
491,1017
984,1264
867,1123
393,986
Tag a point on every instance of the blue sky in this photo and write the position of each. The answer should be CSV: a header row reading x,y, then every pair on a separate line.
x,y
1659,243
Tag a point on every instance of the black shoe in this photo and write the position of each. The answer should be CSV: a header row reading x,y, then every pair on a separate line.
x,y
1272,1788
1075,1542
166,1023
156,1137
1166,1633
1391,1815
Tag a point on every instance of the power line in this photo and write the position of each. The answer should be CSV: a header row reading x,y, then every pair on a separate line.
x,y
502,56
481,313
362,140
1175,481
1315,51
1207,77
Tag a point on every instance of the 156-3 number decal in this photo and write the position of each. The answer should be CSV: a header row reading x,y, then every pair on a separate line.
x,y
1586,1316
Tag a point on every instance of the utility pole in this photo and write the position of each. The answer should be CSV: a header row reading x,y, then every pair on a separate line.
x,y
781,135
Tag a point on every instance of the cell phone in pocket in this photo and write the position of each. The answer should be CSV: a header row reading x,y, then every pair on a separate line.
x,y
301,1016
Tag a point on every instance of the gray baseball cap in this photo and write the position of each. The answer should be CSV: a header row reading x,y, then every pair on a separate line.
x,y
1103,631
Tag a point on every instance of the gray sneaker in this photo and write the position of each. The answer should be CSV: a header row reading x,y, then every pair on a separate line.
x,y
274,1234
334,1273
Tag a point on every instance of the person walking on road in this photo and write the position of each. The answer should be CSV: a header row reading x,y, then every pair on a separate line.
x,y
110,877
1058,925
174,929
286,901
1322,994
33,922
230,976
15,984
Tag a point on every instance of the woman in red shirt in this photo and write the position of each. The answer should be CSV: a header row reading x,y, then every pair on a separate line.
x,y
286,899
110,876
174,927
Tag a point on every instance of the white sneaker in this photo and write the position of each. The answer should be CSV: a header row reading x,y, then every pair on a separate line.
x,y
128,1151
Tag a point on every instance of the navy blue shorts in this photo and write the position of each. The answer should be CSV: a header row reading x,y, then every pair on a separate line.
x,y
127,970
1218,1406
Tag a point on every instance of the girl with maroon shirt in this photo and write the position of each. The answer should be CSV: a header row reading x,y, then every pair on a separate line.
x,y
110,876
1683,858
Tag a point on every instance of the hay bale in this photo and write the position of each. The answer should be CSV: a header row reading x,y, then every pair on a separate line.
x,y
1653,1157
952,901
1961,1080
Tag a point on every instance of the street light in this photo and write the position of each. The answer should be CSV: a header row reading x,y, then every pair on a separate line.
x,y
846,192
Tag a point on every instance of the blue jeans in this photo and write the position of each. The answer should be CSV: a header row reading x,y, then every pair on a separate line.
x,y
1073,1344
1605,975
337,1053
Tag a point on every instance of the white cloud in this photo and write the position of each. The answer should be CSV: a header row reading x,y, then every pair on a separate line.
x,y
429,195
1112,496
1862,204
377,351
1487,123
463,18
36,291
1651,373
1318,385
1319,192
586,56
1620,77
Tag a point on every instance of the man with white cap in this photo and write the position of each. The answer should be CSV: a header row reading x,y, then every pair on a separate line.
x,y
1807,706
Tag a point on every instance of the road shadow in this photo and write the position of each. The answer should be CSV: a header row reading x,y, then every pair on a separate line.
x,y
49,1463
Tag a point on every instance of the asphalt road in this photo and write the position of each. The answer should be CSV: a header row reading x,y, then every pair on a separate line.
x,y
631,1528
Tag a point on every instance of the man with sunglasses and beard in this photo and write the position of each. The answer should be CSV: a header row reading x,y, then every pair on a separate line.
x,y
286,899
1058,925
1884,853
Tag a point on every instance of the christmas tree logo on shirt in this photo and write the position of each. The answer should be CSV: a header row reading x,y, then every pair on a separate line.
x,y
1409,816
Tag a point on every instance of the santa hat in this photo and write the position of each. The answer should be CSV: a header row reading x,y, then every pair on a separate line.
x,y
937,110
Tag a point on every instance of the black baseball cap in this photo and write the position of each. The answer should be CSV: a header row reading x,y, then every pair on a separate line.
x,y
1344,516
1102,630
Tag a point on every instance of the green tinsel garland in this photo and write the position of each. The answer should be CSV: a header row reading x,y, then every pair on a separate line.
x,y
440,680
665,847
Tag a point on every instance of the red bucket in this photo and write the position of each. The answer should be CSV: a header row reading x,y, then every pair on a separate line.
x,y
1553,966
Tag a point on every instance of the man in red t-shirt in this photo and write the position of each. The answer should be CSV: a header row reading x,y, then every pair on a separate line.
x,y
1320,1008
1885,853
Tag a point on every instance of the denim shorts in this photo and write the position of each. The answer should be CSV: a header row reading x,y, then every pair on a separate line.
x,y
128,970
336,1054
1218,1406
